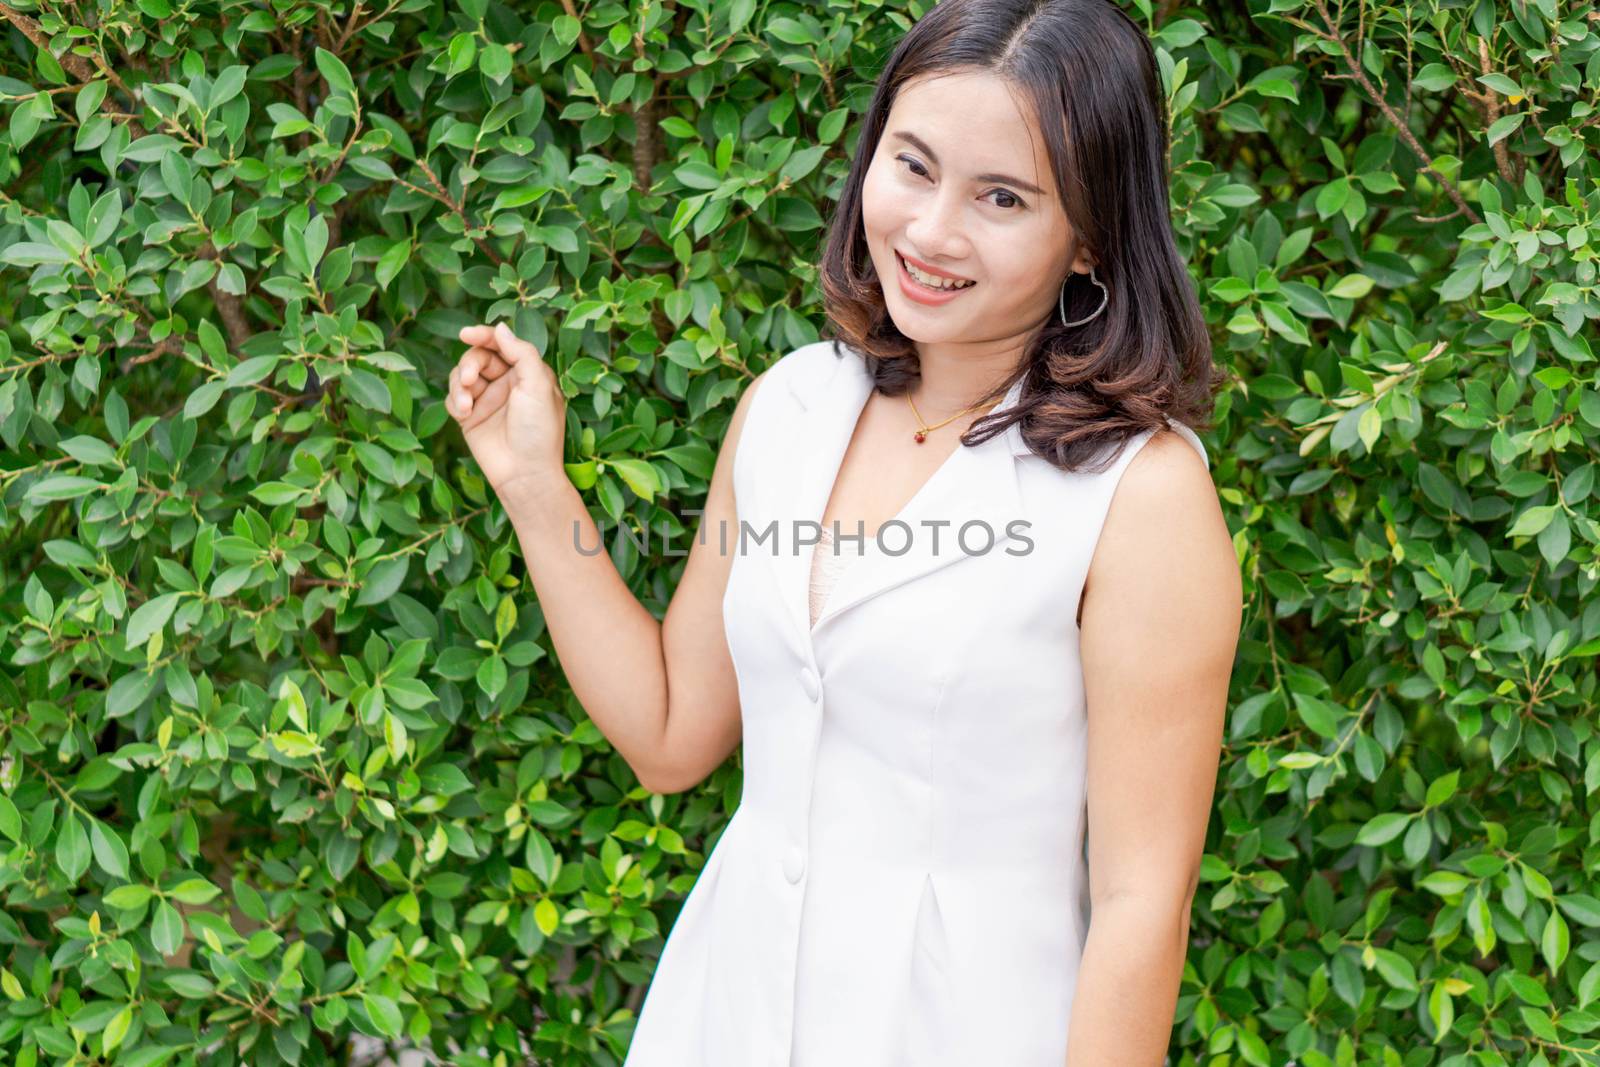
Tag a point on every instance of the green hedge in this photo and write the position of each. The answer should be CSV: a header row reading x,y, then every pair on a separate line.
x,y
285,756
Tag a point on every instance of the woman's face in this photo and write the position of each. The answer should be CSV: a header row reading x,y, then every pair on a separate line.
x,y
961,183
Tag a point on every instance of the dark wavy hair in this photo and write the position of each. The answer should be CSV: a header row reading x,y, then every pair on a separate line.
x,y
1090,74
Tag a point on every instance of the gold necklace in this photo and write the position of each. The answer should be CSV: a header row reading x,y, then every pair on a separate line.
x,y
921,434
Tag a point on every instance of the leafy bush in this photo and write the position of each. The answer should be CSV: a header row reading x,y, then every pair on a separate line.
x,y
285,758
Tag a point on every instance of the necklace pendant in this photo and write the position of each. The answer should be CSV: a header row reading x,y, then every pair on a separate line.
x,y
919,436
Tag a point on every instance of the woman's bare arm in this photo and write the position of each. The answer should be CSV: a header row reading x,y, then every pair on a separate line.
x,y
703,719
663,693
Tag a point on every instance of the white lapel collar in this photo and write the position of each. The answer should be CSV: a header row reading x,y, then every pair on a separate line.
x,y
975,483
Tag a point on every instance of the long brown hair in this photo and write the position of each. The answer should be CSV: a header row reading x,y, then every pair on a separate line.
x,y
1090,74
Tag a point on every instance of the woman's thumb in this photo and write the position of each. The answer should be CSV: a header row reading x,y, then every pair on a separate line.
x,y
512,347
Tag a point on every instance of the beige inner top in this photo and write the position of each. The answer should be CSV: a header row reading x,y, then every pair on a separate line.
x,y
826,566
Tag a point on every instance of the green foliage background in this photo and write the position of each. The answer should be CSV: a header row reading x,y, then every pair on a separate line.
x,y
284,757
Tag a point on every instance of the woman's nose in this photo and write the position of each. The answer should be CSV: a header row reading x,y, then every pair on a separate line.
x,y
936,227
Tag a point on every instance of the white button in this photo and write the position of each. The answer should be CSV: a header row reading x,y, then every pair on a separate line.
x,y
794,863
808,682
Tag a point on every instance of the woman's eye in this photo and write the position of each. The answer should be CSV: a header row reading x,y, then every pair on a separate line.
x,y
1011,202
917,167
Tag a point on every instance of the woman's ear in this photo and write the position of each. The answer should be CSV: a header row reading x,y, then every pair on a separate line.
x,y
1078,250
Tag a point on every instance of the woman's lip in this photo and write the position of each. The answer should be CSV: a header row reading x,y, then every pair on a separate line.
x,y
914,290
926,269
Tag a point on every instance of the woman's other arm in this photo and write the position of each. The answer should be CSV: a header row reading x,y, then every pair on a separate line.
x,y
1160,628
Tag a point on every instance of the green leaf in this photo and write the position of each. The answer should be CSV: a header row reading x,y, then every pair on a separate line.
x,y
1555,941
1283,322
90,450
696,458
1351,287
491,675
638,475
72,848
1331,197
383,580
1370,426
166,929
1533,520
295,744
832,124
10,820
194,891
1445,883
463,53
116,1030
1381,829
109,851
1583,908
204,398
1434,77
190,985
390,264
791,31
1501,84
565,29
332,68
1396,969
546,916
151,616
274,493
1442,788
60,487
394,736
495,62
367,389
1505,126
128,897
1321,717
1278,87
384,1013
128,693
69,554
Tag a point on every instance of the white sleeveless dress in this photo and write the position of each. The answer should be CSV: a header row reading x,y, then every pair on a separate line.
x,y
904,882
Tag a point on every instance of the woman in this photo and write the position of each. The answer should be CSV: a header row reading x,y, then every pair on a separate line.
x,y
1007,713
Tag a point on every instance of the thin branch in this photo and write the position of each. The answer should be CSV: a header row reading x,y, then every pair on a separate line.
x,y
442,195
1399,123
1491,105
72,64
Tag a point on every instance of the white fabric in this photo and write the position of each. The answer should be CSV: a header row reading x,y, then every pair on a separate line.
x,y
904,882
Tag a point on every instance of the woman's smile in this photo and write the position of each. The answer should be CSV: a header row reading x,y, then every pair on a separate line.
x,y
921,291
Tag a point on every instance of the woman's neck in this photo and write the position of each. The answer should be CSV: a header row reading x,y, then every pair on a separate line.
x,y
955,376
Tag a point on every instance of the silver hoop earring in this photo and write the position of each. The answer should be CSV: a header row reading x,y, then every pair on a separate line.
x,y
1061,299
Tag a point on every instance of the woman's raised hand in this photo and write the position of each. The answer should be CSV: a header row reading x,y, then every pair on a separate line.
x,y
510,409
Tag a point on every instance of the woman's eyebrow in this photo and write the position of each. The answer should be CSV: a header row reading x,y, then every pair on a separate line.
x,y
922,146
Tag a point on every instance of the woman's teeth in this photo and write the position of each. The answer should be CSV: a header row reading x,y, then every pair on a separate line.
x,y
933,281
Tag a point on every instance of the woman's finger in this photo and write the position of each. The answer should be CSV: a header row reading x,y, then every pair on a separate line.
x,y
513,349
458,395
493,394
481,363
450,395
481,334
466,378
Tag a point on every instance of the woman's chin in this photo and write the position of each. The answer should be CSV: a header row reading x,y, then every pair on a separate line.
x,y
921,332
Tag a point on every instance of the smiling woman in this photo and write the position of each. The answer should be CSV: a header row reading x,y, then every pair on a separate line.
x,y
953,759
970,789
